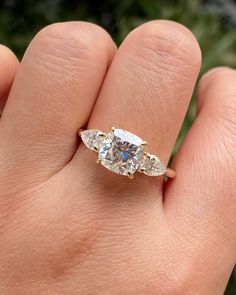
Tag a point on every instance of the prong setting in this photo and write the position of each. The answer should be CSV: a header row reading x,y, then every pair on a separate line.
x,y
80,131
148,155
141,170
130,175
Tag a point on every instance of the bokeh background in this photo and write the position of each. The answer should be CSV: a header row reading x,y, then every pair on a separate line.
x,y
212,21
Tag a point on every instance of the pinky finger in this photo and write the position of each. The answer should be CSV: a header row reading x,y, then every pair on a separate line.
x,y
8,69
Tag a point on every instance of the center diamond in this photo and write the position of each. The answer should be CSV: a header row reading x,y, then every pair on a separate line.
x,y
121,152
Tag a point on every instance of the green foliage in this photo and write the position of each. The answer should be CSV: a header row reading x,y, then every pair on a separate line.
x,y
212,22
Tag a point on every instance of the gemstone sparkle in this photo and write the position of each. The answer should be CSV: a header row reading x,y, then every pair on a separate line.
x,y
121,152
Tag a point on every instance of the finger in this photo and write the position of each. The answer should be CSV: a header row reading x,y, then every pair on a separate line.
x,y
201,203
52,96
148,87
8,67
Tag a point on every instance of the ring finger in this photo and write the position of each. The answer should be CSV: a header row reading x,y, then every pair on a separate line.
x,y
147,91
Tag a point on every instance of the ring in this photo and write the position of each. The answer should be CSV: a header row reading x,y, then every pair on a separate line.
x,y
124,153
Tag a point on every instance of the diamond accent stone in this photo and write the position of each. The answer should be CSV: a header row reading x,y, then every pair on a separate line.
x,y
151,165
121,152
92,138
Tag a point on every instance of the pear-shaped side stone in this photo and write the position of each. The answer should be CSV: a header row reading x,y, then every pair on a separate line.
x,y
92,138
151,165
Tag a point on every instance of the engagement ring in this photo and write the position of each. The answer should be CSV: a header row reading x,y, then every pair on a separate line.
x,y
124,153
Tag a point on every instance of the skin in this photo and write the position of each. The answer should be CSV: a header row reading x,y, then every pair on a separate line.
x,y
8,68
69,226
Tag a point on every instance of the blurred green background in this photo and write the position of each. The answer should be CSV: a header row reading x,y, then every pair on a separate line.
x,y
213,22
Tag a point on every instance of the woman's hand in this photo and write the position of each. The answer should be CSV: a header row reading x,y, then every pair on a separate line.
x,y
69,226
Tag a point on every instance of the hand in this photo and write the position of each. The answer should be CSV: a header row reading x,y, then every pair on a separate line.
x,y
69,226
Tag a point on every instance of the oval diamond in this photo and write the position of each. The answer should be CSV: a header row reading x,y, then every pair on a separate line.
x,y
151,165
121,152
92,138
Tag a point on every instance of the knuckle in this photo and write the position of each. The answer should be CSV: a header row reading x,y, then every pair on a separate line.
x,y
216,75
178,281
172,42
